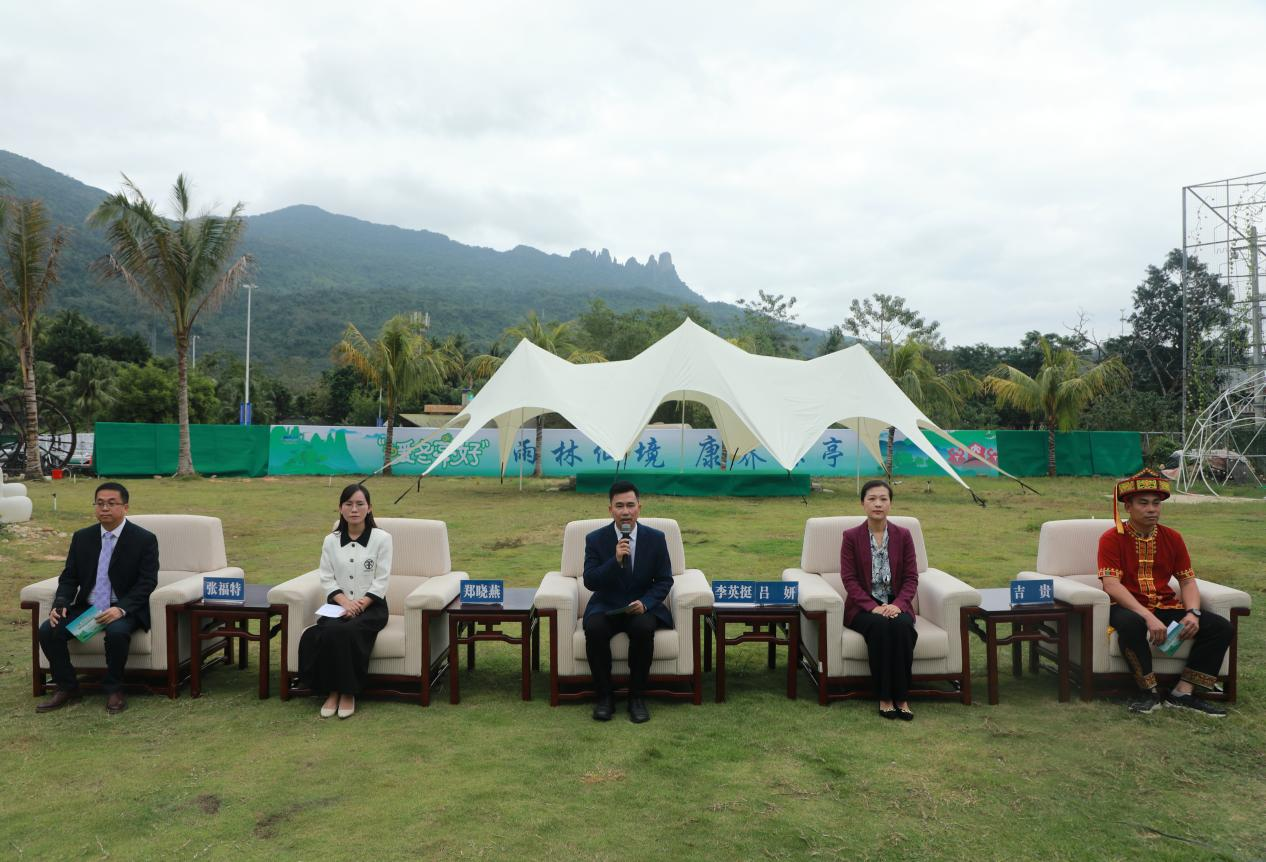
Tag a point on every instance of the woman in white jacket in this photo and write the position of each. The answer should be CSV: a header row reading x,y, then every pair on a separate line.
x,y
355,568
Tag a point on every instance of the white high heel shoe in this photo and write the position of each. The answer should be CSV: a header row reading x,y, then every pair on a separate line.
x,y
347,713
328,711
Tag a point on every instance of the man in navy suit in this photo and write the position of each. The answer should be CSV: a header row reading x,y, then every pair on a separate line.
x,y
627,567
112,566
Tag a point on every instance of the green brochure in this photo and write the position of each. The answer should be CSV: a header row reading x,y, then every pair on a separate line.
x,y
85,625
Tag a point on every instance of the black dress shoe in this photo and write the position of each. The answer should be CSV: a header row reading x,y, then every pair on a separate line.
x,y
905,714
638,713
888,713
58,700
604,708
116,703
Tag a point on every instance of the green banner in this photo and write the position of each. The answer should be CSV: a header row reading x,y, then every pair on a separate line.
x,y
136,449
700,484
1077,453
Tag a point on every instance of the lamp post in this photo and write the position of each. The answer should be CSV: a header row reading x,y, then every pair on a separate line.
x,y
244,414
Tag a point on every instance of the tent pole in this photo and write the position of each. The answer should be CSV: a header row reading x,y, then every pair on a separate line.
x,y
681,448
520,446
857,456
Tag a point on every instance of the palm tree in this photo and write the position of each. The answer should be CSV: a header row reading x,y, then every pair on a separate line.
x,y
555,338
32,271
181,266
930,390
400,361
88,390
1064,386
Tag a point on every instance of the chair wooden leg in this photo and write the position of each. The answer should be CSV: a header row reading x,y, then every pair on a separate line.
x,y
552,615
39,683
1229,686
964,684
424,684
824,676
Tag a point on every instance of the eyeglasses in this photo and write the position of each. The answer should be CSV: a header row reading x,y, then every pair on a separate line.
x,y
109,504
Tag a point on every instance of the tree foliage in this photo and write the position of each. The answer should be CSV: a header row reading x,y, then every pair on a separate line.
x,y
1060,391
31,251
769,326
886,321
182,267
400,361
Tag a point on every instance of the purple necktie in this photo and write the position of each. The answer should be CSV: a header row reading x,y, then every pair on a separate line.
x,y
101,589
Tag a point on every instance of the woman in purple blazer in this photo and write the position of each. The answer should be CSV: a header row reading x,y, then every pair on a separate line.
x,y
881,575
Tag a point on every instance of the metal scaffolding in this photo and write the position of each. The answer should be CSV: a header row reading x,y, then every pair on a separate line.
x,y
1222,222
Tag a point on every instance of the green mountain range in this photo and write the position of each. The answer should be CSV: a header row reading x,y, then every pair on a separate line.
x,y
317,271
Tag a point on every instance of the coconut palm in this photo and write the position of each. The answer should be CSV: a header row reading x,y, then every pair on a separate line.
x,y
401,361
555,338
88,389
32,271
1063,388
181,266
931,391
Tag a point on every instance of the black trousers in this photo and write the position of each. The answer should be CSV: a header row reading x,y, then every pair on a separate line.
x,y
118,640
890,648
1207,649
600,628
334,653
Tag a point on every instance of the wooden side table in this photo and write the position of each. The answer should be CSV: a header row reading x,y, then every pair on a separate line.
x,y
464,621
1032,624
762,624
236,624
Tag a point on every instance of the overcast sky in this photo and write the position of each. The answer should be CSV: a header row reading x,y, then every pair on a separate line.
x,y
1000,165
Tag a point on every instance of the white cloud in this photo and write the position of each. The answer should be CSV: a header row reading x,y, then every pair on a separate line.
x,y
1000,164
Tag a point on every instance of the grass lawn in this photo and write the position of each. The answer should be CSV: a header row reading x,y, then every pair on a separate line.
x,y
759,777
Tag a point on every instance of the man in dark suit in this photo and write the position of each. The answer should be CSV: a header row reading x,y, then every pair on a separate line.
x,y
627,567
112,566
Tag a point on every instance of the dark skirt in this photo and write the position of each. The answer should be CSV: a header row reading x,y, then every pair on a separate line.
x,y
334,653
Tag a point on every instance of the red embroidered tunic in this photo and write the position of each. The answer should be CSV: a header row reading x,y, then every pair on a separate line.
x,y
1145,564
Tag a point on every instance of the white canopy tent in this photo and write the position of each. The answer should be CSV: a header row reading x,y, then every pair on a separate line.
x,y
782,405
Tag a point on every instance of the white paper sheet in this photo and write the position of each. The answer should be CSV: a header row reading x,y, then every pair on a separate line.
x,y
333,611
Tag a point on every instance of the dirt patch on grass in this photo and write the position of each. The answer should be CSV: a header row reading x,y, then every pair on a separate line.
x,y
601,776
266,825
208,803
506,543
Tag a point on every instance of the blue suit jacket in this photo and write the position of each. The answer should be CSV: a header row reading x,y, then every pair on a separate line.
x,y
613,587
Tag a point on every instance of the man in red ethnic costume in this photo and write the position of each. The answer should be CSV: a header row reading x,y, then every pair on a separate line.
x,y
1137,560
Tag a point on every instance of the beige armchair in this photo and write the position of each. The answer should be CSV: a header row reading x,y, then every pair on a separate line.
x,y
189,547
411,649
563,596
836,657
15,505
1067,553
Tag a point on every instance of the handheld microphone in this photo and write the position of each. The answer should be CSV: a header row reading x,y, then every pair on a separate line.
x,y
626,530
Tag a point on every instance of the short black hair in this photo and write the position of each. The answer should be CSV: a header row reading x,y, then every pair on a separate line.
x,y
112,486
875,483
622,486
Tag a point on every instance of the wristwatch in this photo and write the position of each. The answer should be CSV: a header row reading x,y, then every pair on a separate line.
x,y
1195,612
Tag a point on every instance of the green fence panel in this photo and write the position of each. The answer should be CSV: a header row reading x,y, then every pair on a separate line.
x,y
1077,453
1022,453
1116,453
1072,453
717,484
137,449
